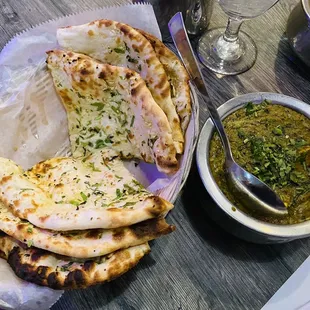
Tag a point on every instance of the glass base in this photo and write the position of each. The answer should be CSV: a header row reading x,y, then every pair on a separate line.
x,y
208,55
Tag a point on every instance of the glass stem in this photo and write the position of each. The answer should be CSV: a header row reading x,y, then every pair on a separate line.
x,y
228,46
232,29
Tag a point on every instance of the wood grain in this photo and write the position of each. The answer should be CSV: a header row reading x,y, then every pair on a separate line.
x,y
199,266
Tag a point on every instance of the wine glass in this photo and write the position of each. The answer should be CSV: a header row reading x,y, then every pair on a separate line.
x,y
232,51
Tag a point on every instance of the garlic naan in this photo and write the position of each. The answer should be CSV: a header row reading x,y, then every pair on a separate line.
x,y
178,79
121,45
82,244
66,193
58,272
110,106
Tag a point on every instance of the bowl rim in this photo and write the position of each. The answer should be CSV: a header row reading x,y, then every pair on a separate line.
x,y
284,231
306,7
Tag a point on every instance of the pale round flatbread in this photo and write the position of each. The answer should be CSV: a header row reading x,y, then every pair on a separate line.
x,y
121,45
58,272
66,193
85,243
110,106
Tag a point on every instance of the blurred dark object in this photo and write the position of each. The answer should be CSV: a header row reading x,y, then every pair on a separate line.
x,y
298,30
196,14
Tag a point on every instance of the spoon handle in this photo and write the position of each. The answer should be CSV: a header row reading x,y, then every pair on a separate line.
x,y
181,41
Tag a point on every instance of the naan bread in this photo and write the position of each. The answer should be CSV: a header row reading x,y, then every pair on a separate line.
x,y
82,244
58,272
120,45
178,79
75,194
111,106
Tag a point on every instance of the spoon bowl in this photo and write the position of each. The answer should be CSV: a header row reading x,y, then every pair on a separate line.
x,y
253,193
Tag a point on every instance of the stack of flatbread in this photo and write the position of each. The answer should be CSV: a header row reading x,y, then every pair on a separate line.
x,y
72,222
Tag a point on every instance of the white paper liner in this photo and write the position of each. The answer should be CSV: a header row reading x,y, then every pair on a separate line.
x,y
33,123
20,295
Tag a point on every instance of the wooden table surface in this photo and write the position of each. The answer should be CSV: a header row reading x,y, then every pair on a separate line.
x,y
199,266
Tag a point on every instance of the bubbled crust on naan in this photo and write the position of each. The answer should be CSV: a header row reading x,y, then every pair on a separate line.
x,y
57,272
66,194
86,243
121,45
177,76
111,106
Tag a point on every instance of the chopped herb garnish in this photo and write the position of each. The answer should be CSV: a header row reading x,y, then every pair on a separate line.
x,y
29,243
114,93
108,140
251,108
92,166
116,110
119,50
300,143
98,105
75,202
118,193
25,189
132,60
128,204
80,96
132,121
84,197
29,230
126,47
278,131
100,144
105,163
137,183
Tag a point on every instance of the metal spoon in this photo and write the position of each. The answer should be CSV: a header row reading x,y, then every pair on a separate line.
x,y
252,192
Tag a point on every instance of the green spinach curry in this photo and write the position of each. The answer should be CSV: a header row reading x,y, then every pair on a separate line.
x,y
272,142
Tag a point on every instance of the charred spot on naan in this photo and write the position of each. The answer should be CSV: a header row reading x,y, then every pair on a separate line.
x,y
153,227
137,90
75,279
118,234
120,264
41,168
127,31
104,22
157,206
28,264
89,265
93,234
16,203
102,75
5,179
24,270
53,281
166,162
